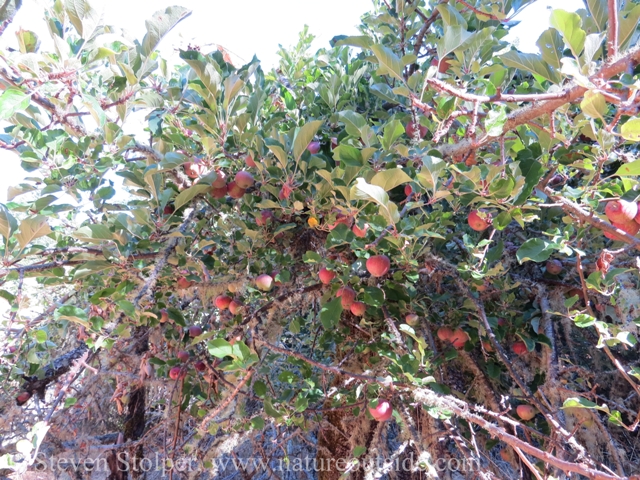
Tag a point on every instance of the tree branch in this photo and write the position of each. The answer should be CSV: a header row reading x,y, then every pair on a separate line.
x,y
531,112
612,34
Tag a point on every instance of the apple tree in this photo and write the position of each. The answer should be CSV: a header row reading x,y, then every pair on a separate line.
x,y
419,232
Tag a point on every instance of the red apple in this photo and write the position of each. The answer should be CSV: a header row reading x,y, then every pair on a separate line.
x,y
194,170
445,334
220,181
244,179
264,282
408,190
348,296
326,275
22,398
358,308
382,412
200,366
554,267
314,147
184,283
630,227
182,356
219,192
443,65
264,218
621,211
459,338
412,319
164,315
519,348
360,232
235,191
411,129
479,220
235,307
285,192
378,265
195,331
251,163
488,347
169,209
526,412
223,302
177,372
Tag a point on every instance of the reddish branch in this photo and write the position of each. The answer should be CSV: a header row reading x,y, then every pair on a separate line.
x,y
612,34
531,112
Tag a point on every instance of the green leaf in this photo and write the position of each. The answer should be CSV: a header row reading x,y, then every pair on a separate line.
x,y
599,13
551,47
631,130
536,250
27,40
330,314
533,172
353,122
94,233
531,63
8,223
569,25
304,137
593,105
453,38
392,131
41,336
361,41
232,86
159,25
495,121
72,314
389,62
220,348
187,195
257,423
32,228
351,156
627,24
11,101
451,16
579,402
373,193
629,169
259,388
390,179
592,47
583,320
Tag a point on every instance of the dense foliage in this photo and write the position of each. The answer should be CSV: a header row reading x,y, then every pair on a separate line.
x,y
420,216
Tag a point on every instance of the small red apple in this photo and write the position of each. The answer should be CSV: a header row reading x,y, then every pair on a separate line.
x,y
459,338
251,163
220,181
554,266
519,348
200,366
22,398
347,295
264,282
360,232
488,347
195,331
526,412
326,275
358,308
177,372
408,190
445,334
378,265
264,218
219,192
223,302
629,227
621,211
244,179
235,307
479,220
183,356
169,209
194,170
411,129
313,147
183,283
382,412
234,190
164,315
412,319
